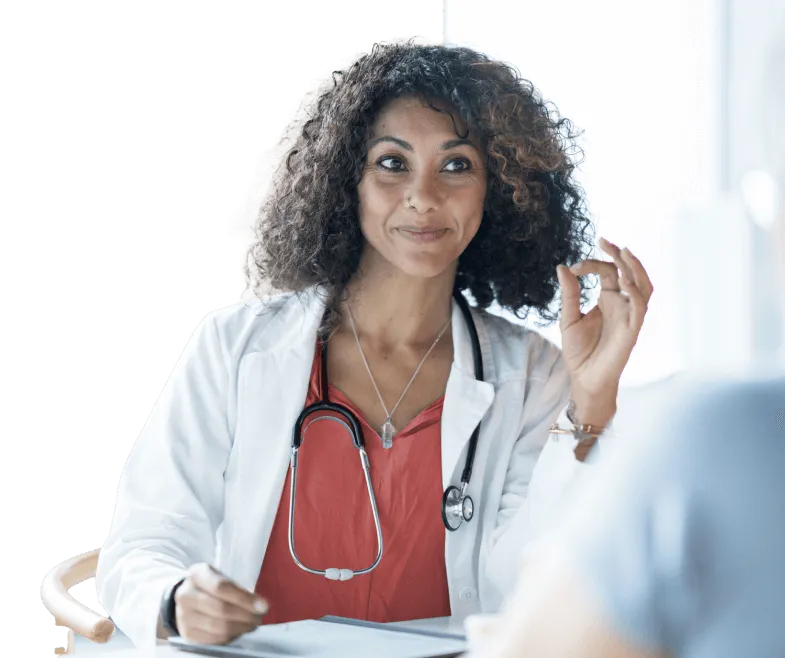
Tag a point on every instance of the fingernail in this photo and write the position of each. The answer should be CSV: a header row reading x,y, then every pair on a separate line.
x,y
260,605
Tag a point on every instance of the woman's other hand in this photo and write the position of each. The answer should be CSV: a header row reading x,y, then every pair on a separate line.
x,y
597,345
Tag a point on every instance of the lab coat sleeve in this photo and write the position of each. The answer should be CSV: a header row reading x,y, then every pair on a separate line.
x,y
170,497
540,469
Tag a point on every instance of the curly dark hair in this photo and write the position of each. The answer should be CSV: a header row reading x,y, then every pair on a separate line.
x,y
534,216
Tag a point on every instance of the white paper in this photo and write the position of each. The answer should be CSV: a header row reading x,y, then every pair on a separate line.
x,y
320,639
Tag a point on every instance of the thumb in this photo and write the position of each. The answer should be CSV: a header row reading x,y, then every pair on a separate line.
x,y
570,296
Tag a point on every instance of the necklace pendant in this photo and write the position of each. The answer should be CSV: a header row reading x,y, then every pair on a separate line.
x,y
387,434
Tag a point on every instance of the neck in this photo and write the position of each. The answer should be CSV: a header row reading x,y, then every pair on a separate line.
x,y
395,310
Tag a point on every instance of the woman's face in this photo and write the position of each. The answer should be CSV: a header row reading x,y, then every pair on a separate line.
x,y
422,189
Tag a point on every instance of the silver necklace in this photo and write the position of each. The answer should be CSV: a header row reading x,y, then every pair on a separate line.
x,y
388,429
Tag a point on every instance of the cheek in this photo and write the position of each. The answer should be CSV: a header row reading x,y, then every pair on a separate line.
x,y
376,203
471,203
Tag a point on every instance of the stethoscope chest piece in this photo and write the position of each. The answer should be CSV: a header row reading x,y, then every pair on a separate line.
x,y
457,507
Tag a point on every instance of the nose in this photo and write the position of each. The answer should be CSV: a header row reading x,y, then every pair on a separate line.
x,y
423,196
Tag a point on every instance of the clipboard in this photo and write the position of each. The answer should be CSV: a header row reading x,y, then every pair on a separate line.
x,y
333,637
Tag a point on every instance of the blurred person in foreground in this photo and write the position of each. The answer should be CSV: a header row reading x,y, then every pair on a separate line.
x,y
687,557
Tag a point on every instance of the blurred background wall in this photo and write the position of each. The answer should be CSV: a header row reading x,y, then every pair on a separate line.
x,y
668,95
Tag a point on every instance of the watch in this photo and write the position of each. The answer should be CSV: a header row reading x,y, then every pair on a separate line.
x,y
168,609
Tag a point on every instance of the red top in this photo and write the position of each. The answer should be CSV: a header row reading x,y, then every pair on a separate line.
x,y
334,524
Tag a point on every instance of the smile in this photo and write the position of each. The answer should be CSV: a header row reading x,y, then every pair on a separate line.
x,y
423,235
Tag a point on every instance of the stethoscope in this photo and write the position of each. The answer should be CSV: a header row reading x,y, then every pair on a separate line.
x,y
457,505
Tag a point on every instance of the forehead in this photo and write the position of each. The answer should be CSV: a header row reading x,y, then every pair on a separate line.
x,y
410,116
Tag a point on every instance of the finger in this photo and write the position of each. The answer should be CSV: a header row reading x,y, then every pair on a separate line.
x,y
636,302
570,297
608,273
208,604
204,629
197,636
616,254
212,581
640,276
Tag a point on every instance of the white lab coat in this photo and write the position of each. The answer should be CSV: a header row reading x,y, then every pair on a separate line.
x,y
204,479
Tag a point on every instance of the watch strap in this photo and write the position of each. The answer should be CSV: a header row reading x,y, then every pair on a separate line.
x,y
168,609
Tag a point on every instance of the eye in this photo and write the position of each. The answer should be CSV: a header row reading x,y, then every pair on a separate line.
x,y
396,164
463,166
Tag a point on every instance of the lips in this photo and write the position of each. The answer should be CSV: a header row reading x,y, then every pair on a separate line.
x,y
422,229
423,234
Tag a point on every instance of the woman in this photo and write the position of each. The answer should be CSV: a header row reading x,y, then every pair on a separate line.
x,y
422,172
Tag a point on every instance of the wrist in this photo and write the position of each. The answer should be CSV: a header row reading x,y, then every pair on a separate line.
x,y
592,410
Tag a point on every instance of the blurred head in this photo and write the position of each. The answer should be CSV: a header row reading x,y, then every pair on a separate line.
x,y
435,161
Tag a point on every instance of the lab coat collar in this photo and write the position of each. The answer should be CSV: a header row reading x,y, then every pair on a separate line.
x,y
295,321
466,399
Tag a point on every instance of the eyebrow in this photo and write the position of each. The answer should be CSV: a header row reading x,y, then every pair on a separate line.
x,y
446,146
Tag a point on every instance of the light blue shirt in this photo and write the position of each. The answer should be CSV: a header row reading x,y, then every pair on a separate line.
x,y
681,534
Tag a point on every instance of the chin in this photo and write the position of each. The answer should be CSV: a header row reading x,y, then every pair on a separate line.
x,y
426,267
429,262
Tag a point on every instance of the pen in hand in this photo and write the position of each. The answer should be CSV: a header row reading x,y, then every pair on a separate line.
x,y
210,608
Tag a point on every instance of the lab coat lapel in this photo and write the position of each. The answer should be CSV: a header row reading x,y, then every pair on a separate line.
x,y
466,399
274,384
